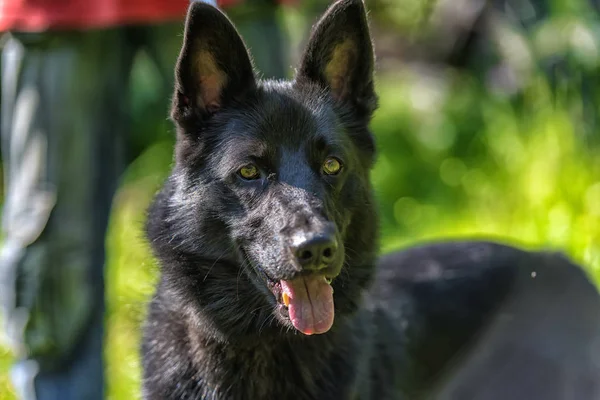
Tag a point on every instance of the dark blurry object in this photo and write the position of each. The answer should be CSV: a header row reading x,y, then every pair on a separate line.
x,y
65,131
490,322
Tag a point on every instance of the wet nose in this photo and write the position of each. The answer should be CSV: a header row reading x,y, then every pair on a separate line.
x,y
316,252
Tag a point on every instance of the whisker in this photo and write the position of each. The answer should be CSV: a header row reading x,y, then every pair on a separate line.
x,y
213,264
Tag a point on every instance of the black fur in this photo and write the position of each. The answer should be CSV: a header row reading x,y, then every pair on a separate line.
x,y
215,329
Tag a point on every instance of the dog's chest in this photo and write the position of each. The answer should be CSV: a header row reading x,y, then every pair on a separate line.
x,y
262,373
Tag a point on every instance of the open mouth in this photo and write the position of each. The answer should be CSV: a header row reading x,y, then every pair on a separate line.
x,y
307,301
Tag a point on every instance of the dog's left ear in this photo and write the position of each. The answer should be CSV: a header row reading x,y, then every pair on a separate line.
x,y
339,56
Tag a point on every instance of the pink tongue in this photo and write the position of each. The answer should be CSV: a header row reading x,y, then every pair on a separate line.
x,y
311,304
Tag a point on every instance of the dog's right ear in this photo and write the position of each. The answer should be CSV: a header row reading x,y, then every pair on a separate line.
x,y
213,68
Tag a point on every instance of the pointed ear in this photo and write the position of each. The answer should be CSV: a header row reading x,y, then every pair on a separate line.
x,y
213,68
339,56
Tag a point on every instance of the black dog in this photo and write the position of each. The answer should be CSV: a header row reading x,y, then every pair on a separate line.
x,y
266,232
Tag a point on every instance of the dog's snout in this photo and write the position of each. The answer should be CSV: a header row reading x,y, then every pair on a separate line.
x,y
317,252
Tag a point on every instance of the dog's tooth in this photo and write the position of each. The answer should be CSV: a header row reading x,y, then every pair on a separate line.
x,y
286,299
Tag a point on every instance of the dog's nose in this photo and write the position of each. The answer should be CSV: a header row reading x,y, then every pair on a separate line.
x,y
317,252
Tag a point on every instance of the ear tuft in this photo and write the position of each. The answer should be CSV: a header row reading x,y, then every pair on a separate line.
x,y
211,80
338,68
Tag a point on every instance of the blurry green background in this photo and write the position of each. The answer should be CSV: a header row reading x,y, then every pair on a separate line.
x,y
459,156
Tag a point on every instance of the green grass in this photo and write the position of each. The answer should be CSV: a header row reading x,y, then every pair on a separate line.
x,y
453,162
526,176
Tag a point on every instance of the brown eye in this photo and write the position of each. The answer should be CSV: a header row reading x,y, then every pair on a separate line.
x,y
249,172
332,166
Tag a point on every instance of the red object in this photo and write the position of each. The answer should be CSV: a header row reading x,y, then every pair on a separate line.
x,y
40,15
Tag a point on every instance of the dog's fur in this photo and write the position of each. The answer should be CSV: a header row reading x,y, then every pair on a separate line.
x,y
451,319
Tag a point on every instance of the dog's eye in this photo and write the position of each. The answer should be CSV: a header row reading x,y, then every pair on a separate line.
x,y
332,166
249,172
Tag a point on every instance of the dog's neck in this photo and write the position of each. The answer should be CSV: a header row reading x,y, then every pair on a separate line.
x,y
290,360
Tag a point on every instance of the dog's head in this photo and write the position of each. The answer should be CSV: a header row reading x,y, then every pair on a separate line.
x,y
273,177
